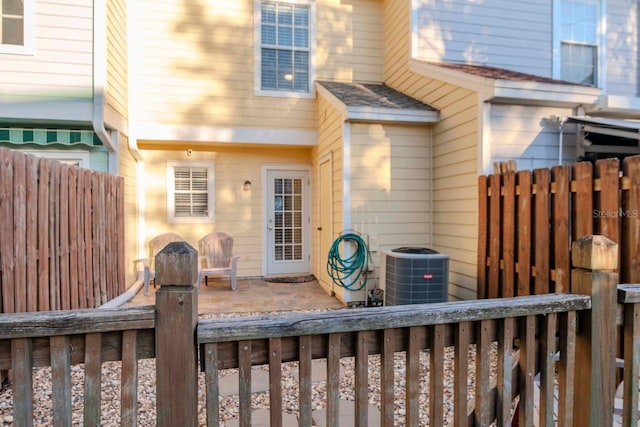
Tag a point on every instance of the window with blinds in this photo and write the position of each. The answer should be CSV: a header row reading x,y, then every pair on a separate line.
x,y
284,47
190,192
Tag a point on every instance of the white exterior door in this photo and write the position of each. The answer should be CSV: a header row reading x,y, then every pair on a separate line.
x,y
287,221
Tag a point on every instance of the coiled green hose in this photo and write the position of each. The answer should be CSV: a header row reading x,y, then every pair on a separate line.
x,y
352,269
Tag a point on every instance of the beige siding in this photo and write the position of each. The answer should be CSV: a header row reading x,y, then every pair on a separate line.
x,y
237,212
128,169
330,140
455,152
391,185
117,67
349,40
195,64
60,67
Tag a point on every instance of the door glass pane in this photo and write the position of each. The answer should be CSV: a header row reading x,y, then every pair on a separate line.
x,y
288,219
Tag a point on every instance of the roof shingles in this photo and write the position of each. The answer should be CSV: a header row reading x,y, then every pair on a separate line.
x,y
374,95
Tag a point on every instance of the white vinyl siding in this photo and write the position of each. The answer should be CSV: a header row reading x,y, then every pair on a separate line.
x,y
59,71
622,58
190,192
516,35
525,134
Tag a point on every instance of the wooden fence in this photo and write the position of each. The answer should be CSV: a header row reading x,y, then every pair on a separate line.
x,y
61,235
528,220
497,345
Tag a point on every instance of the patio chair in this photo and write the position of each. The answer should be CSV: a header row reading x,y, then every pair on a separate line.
x,y
155,245
216,258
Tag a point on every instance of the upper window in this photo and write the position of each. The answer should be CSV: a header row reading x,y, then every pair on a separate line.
x,y
579,41
15,18
284,47
190,192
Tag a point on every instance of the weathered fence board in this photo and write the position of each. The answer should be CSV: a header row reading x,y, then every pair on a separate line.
x,y
55,251
544,211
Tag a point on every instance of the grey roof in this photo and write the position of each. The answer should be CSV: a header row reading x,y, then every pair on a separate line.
x,y
375,95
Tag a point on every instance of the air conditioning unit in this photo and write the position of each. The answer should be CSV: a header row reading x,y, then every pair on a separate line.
x,y
410,275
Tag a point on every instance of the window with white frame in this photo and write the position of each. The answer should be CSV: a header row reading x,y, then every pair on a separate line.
x,y
15,26
190,192
71,157
284,38
579,35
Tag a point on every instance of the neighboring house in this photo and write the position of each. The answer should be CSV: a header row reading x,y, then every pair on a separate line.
x,y
63,87
288,122
367,115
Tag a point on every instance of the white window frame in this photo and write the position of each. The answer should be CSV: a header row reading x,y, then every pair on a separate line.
x,y
257,9
78,158
601,40
171,217
29,33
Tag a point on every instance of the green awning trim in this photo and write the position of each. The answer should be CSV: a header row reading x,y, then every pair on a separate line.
x,y
43,136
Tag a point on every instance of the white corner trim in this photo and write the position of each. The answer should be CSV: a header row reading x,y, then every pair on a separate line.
x,y
220,134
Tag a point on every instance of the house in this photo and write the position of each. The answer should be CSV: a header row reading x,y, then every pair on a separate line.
x,y
288,122
63,88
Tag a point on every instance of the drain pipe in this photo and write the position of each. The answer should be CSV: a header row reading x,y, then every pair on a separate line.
x,y
560,142
100,81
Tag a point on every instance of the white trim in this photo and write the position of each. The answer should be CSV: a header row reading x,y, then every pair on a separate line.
x,y
616,106
327,157
220,134
81,156
29,23
346,176
171,218
484,152
257,52
59,113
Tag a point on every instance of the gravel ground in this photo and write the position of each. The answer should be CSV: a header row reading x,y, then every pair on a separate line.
x,y
229,405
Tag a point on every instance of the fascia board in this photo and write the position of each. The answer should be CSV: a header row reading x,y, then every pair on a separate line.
x,y
537,91
61,112
514,91
616,105
454,77
332,99
219,134
372,114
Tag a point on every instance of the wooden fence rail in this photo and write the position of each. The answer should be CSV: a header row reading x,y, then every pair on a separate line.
x,y
61,235
528,220
501,346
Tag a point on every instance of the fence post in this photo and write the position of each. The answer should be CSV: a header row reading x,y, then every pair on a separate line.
x,y
595,260
176,322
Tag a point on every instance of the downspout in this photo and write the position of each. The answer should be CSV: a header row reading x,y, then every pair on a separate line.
x,y
100,81
560,130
